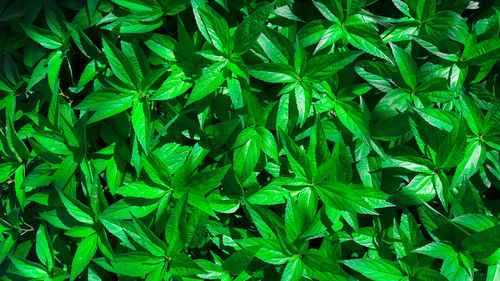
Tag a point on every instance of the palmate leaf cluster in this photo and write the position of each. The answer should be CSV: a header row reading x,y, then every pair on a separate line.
x,y
249,140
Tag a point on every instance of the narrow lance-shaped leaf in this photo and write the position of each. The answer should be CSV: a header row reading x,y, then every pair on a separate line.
x,y
375,269
354,121
44,249
369,41
250,28
120,64
213,27
176,226
210,80
273,72
426,9
76,208
475,155
43,37
28,268
83,255
407,66
324,66
141,122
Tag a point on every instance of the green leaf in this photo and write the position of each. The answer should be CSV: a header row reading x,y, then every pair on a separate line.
x,y
322,266
28,268
76,209
146,238
250,28
273,72
268,142
247,153
14,141
183,265
106,101
426,9
293,270
303,98
493,272
53,68
415,164
213,27
293,220
377,74
135,5
120,64
240,260
274,193
472,114
276,46
353,120
348,197
83,255
299,162
482,245
141,120
44,249
407,66
176,226
483,51
331,10
42,36
162,45
367,40
264,220
210,80
270,250
476,222
140,190
455,265
135,264
249,140
324,66
475,154
451,152
419,190
375,269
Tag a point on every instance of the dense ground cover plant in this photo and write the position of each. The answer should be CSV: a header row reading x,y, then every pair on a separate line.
x,y
249,140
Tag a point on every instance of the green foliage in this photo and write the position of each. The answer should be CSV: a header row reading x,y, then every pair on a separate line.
x,y
249,140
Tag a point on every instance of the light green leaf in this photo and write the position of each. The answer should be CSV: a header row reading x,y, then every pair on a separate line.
x,y
293,270
120,64
141,122
353,120
475,155
42,36
324,66
366,39
250,28
76,208
44,249
53,68
375,269
426,9
348,197
210,80
83,255
246,156
407,66
213,27
28,268
273,72
137,5
136,264
140,190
